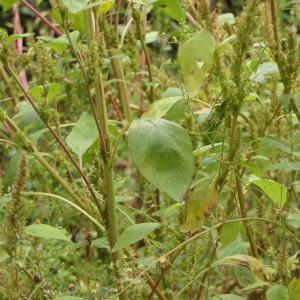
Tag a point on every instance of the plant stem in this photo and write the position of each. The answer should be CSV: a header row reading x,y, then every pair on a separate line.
x,y
273,5
247,225
121,84
8,87
92,35
41,17
141,36
69,203
278,52
58,140
34,151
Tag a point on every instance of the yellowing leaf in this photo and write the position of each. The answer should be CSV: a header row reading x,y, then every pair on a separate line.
x,y
294,289
259,271
198,209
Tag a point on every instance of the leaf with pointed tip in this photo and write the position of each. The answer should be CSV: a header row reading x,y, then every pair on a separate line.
x,y
196,57
274,190
134,233
46,232
278,292
172,8
83,135
163,153
172,109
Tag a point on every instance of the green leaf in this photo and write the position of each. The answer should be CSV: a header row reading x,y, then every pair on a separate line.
x,y
101,243
281,145
67,298
259,271
4,200
7,4
294,220
278,292
163,153
3,255
172,8
53,90
151,37
229,232
199,207
172,109
27,118
60,44
284,166
264,70
46,232
134,233
255,285
14,37
226,18
228,297
294,289
76,6
196,57
105,6
83,135
274,190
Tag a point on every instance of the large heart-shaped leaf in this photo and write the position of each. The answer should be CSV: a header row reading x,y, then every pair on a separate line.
x,y
163,153
196,58
134,233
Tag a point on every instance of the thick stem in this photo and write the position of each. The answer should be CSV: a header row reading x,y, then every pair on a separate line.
x,y
92,35
273,5
121,84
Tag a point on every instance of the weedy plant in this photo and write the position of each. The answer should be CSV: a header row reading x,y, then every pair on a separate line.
x,y
149,150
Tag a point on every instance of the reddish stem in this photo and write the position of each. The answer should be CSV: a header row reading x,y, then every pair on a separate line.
x,y
19,43
42,18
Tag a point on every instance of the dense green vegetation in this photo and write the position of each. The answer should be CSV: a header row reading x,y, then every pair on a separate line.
x,y
149,149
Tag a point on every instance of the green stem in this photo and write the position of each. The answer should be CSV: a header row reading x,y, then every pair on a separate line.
x,y
69,203
247,225
34,151
92,35
141,36
8,87
121,84
59,141
278,52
